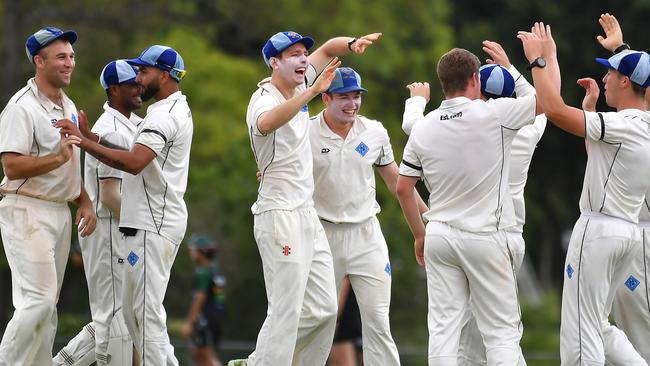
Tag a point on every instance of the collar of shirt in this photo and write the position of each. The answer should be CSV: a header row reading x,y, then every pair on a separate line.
x,y
130,123
357,127
172,98
45,102
454,102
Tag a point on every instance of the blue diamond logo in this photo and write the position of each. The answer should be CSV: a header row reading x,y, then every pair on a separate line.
x,y
304,108
133,259
362,149
569,271
632,283
388,269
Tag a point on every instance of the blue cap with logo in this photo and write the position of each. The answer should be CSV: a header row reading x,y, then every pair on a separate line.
x,y
496,81
633,64
346,80
43,37
117,72
281,41
164,58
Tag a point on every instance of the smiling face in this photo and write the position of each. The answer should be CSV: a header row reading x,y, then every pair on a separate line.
x,y
291,64
55,63
343,107
128,96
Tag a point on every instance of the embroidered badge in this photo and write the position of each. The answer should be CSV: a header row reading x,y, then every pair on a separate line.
x,y
286,250
632,283
132,258
569,271
388,269
304,108
73,117
324,150
362,149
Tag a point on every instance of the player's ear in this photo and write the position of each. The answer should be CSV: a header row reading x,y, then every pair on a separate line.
x,y
326,98
274,62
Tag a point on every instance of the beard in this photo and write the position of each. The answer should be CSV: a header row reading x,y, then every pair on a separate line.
x,y
149,91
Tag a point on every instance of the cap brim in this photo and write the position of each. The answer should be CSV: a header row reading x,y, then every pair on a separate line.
x,y
138,62
348,89
604,62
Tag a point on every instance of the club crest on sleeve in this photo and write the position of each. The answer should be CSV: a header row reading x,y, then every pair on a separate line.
x,y
362,149
388,269
304,108
632,283
569,271
132,258
73,117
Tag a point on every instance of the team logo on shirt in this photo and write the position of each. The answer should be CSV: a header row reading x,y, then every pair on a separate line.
x,y
286,250
632,283
324,150
569,271
362,149
388,269
132,258
304,108
447,117
73,117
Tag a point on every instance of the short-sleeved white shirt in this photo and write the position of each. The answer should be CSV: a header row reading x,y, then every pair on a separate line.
x,y
26,127
115,128
521,154
344,178
153,199
617,176
644,216
462,152
283,156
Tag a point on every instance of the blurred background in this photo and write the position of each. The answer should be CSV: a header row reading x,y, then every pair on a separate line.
x,y
221,42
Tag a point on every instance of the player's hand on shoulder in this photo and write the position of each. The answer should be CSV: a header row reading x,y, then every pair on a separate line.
x,y
497,54
360,45
613,32
418,89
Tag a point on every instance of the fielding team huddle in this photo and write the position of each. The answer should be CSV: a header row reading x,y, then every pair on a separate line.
x,y
315,216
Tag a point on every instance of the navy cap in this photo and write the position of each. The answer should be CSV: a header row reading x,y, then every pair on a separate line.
x,y
117,72
633,64
496,81
44,37
345,80
281,41
164,58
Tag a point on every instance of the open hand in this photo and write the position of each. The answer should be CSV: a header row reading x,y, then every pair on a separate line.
x,y
613,33
324,80
592,92
543,32
362,43
497,54
533,47
418,89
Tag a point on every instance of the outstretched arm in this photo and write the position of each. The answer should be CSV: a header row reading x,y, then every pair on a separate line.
x,y
340,46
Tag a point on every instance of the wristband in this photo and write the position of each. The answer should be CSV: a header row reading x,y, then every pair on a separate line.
x,y
622,48
351,42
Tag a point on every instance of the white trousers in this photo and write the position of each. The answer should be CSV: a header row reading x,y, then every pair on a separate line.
x,y
631,307
299,279
360,252
460,263
36,240
148,265
104,261
472,349
600,251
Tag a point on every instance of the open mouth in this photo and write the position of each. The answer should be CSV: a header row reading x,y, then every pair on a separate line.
x,y
301,71
349,112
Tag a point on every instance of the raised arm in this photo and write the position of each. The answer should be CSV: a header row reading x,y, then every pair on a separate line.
x,y
613,33
340,46
414,106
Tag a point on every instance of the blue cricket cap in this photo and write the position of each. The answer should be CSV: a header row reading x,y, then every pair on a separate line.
x,y
164,58
345,80
281,41
633,64
43,37
117,72
496,81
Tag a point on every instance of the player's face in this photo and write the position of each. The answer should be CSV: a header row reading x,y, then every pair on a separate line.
x,y
56,63
129,96
611,81
343,107
292,64
149,80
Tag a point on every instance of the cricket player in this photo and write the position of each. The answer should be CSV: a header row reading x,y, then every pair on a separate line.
x,y
499,79
631,305
462,151
346,147
153,216
106,339
296,257
606,236
42,174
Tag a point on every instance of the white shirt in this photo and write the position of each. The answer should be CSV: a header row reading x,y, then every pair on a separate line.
x,y
115,128
26,127
153,199
344,177
283,156
644,216
462,152
617,175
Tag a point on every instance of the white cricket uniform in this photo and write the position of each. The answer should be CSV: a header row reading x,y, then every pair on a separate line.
x,y
36,224
152,203
104,258
296,258
631,307
462,151
345,200
606,237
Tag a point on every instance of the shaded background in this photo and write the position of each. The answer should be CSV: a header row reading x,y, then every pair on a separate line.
x,y
221,41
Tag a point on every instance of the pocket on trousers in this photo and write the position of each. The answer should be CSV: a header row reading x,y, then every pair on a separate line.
x,y
20,220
